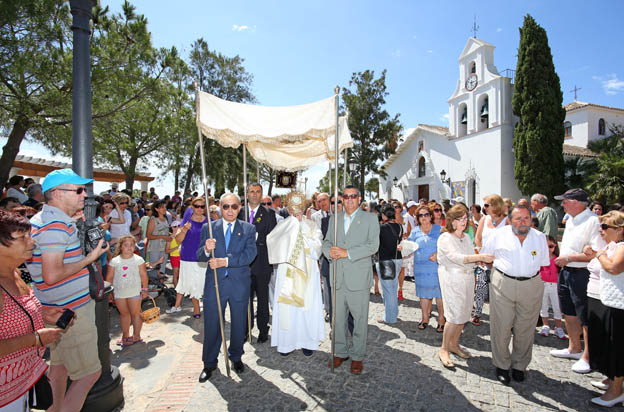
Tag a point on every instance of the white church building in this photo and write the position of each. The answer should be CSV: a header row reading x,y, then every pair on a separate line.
x,y
473,157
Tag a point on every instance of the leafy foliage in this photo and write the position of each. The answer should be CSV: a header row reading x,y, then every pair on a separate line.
x,y
537,100
607,183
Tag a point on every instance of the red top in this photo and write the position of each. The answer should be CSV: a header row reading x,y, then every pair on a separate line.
x,y
550,273
21,369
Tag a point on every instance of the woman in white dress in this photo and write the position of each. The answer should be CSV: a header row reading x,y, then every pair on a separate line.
x,y
456,262
295,246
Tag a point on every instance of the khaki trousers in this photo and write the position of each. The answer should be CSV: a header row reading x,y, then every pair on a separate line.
x,y
514,307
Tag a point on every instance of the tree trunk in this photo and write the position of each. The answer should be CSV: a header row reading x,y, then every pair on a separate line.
x,y
131,173
176,178
190,172
11,149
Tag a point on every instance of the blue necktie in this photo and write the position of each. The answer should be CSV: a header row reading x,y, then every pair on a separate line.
x,y
228,235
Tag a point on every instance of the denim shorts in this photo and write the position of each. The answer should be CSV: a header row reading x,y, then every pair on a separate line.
x,y
572,292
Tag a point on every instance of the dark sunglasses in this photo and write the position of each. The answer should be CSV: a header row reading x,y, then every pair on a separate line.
x,y
350,196
77,191
266,203
424,215
551,246
225,206
398,207
148,210
437,210
604,226
200,206
120,203
339,202
486,205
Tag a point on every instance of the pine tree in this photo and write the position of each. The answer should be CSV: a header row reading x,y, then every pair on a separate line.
x,y
537,100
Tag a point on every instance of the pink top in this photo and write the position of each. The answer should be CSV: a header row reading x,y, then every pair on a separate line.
x,y
550,273
21,369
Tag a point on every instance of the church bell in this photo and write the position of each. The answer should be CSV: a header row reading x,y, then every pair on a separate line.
x,y
464,118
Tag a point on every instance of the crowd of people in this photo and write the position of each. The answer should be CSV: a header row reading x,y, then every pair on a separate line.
x,y
274,261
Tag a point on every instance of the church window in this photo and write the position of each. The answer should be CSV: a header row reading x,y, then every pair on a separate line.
x,y
601,127
567,127
473,67
422,168
421,146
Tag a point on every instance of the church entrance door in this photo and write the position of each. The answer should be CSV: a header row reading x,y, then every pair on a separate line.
x,y
423,192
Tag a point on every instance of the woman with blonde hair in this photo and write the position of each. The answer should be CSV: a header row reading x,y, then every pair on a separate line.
x,y
456,259
496,218
120,218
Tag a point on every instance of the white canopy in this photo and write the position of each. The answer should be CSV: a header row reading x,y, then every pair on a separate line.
x,y
285,138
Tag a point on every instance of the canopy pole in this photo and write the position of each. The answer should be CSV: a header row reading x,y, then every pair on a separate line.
x,y
344,172
333,289
329,178
246,220
214,271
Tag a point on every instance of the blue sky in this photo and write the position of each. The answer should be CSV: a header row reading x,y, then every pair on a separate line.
x,y
298,51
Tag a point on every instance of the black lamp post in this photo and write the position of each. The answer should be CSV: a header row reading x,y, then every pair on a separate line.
x,y
395,181
444,179
107,393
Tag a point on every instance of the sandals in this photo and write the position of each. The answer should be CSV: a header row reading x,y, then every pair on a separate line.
x,y
440,328
422,325
448,363
476,321
127,341
460,353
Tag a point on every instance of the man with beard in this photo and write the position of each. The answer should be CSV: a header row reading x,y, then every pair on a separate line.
x,y
515,292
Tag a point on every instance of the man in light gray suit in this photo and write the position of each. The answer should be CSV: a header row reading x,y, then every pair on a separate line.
x,y
357,241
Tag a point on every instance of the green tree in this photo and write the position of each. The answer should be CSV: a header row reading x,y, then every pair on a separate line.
x,y
372,186
607,183
537,101
323,185
373,130
578,171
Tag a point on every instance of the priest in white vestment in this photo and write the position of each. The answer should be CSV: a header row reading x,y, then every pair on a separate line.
x,y
295,246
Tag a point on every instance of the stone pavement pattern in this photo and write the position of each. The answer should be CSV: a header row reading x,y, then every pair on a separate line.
x,y
401,372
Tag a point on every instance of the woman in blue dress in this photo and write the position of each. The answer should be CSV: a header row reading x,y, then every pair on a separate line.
x,y
426,234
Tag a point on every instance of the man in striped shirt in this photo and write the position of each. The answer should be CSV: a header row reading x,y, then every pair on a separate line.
x,y
61,279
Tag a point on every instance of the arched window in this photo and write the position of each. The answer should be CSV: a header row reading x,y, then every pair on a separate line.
x,y
567,127
473,67
422,168
601,127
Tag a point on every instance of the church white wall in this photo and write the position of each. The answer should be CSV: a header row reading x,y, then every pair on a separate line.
x,y
579,120
611,117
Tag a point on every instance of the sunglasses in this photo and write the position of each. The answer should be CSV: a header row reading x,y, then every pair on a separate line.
x,y
226,206
398,207
462,219
200,206
77,191
437,210
604,226
148,210
425,215
486,205
266,203
551,246
120,203
347,197
339,202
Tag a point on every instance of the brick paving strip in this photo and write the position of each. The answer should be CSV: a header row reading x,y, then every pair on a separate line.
x,y
401,372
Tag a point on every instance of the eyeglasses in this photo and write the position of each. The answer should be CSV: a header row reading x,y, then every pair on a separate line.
x,y
437,210
462,219
120,203
347,197
604,226
551,246
486,205
148,210
424,215
77,191
225,206
339,202
200,206
266,203
398,207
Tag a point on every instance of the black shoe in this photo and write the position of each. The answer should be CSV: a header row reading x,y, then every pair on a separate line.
x,y
239,367
307,352
517,375
503,376
284,354
263,337
206,374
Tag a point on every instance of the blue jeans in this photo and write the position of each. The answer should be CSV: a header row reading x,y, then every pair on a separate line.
x,y
389,289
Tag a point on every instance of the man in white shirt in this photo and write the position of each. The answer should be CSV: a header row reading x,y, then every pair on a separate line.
x,y
409,215
515,292
323,204
581,229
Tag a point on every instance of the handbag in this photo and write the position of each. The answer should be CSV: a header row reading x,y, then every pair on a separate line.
x,y
387,268
41,390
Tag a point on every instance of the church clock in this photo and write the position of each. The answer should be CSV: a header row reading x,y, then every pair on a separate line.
x,y
471,82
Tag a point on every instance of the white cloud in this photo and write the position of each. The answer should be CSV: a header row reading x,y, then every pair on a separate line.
x,y
445,117
498,30
396,53
610,83
236,27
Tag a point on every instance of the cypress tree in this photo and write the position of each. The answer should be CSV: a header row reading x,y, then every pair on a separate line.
x,y
537,100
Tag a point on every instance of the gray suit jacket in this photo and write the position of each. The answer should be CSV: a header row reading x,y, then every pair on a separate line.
x,y
361,242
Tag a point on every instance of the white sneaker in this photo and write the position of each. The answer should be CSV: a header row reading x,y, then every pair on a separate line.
x,y
560,333
174,309
545,330
580,366
565,353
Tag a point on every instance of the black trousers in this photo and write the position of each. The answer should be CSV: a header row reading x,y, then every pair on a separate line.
x,y
260,289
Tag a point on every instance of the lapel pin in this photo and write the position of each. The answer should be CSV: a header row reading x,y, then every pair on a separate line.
x,y
238,233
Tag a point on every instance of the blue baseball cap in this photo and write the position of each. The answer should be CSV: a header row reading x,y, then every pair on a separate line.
x,y
62,176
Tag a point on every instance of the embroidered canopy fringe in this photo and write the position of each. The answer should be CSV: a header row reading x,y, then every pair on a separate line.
x,y
285,138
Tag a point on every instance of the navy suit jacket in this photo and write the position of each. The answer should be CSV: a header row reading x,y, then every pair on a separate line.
x,y
264,221
240,253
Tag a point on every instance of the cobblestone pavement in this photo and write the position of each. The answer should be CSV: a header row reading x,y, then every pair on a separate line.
x,y
401,372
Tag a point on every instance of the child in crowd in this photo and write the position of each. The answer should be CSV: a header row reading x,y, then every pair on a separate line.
x,y
550,275
173,250
128,274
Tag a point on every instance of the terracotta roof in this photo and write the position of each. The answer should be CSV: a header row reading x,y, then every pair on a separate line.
x,y
578,151
578,105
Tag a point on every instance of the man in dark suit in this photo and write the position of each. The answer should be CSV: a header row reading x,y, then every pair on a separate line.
x,y
324,261
231,251
264,221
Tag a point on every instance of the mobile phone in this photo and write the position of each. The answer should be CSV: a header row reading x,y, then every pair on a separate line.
x,y
65,318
